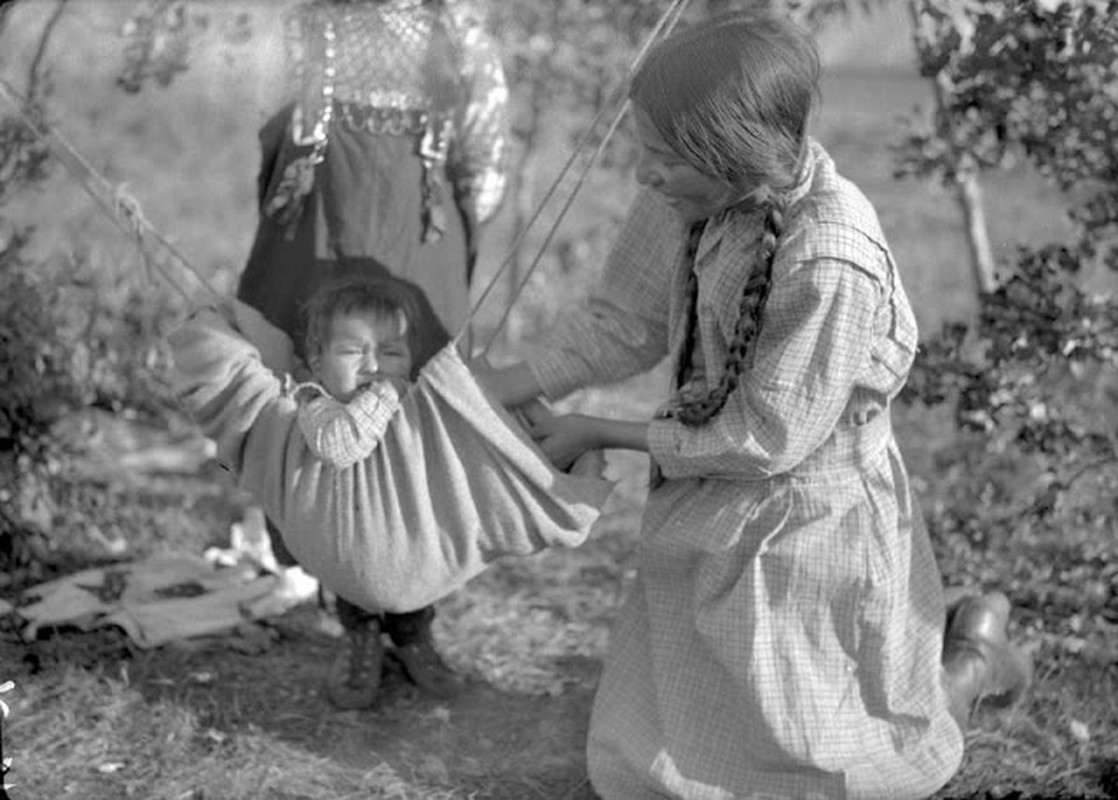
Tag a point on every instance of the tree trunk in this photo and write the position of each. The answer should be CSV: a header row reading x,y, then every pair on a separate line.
x,y
34,72
964,174
968,192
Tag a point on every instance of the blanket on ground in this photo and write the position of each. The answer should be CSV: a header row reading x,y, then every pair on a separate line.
x,y
454,484
161,599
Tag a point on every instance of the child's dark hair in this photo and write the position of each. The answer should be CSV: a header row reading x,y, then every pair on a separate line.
x,y
732,96
380,295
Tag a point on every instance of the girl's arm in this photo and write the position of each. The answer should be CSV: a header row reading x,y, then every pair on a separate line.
x,y
622,328
565,438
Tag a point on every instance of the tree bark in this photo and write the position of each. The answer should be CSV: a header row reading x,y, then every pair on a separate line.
x,y
963,172
34,72
968,192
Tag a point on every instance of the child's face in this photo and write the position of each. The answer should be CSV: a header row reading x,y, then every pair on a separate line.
x,y
362,348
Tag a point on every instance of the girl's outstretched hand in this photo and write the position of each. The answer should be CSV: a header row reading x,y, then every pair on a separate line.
x,y
563,439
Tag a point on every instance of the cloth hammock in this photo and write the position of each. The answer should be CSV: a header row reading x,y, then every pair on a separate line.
x,y
454,484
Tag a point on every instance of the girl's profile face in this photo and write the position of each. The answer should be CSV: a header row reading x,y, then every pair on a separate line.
x,y
363,348
693,194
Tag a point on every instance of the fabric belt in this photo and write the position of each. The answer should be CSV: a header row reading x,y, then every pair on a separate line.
x,y
850,448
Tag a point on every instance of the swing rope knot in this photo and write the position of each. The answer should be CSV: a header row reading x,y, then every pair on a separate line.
x,y
128,210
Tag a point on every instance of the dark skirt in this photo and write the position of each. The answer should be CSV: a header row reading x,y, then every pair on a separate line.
x,y
365,212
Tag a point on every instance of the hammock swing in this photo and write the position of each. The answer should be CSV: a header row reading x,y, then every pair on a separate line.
x,y
454,484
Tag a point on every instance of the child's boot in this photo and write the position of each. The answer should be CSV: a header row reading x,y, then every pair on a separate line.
x,y
354,678
415,647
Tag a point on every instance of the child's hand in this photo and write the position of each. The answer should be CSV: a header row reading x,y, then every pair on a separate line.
x,y
399,384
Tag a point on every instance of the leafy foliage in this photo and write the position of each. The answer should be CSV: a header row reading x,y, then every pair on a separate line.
x,y
1032,381
1032,81
67,342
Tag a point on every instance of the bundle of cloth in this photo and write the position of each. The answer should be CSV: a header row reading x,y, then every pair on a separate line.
x,y
454,484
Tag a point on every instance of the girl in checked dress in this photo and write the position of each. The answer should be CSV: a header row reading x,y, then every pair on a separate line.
x,y
785,635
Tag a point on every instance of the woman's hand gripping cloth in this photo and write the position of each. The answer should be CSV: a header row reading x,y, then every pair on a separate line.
x,y
454,484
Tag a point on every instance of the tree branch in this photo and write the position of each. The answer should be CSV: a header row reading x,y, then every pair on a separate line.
x,y
34,73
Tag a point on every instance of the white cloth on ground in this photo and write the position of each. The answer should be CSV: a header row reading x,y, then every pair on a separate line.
x,y
158,600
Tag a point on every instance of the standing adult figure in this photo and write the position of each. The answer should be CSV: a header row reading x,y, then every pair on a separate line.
x,y
785,633
389,156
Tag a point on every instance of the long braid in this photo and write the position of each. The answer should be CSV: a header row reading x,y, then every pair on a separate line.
x,y
695,412
732,97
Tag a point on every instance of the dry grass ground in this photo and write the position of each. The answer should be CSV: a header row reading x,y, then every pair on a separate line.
x,y
92,717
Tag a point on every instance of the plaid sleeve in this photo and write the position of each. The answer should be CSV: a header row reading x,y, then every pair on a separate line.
x,y
622,329
341,434
815,341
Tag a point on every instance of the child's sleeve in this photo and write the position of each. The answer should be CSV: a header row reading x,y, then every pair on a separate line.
x,y
341,434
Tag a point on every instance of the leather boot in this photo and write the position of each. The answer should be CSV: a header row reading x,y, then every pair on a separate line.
x,y
979,662
427,670
354,677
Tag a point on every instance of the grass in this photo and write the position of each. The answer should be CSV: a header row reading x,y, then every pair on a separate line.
x,y
90,736
94,718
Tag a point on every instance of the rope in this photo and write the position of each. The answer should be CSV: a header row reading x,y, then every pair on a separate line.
x,y
115,201
665,24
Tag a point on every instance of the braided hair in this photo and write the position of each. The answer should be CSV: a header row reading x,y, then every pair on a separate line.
x,y
732,96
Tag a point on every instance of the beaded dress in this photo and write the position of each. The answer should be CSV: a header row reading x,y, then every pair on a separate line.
x,y
388,155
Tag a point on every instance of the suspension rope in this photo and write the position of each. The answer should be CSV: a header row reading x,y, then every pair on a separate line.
x,y
115,201
664,26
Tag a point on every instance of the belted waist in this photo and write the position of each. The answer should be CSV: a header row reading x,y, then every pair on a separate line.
x,y
851,447
388,121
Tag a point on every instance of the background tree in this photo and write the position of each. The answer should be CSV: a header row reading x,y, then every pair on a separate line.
x,y
1031,380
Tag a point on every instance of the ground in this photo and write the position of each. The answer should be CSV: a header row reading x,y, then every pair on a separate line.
x,y
243,715
527,636
506,744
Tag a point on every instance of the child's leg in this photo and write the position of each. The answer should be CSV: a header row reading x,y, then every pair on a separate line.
x,y
411,634
279,549
355,674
